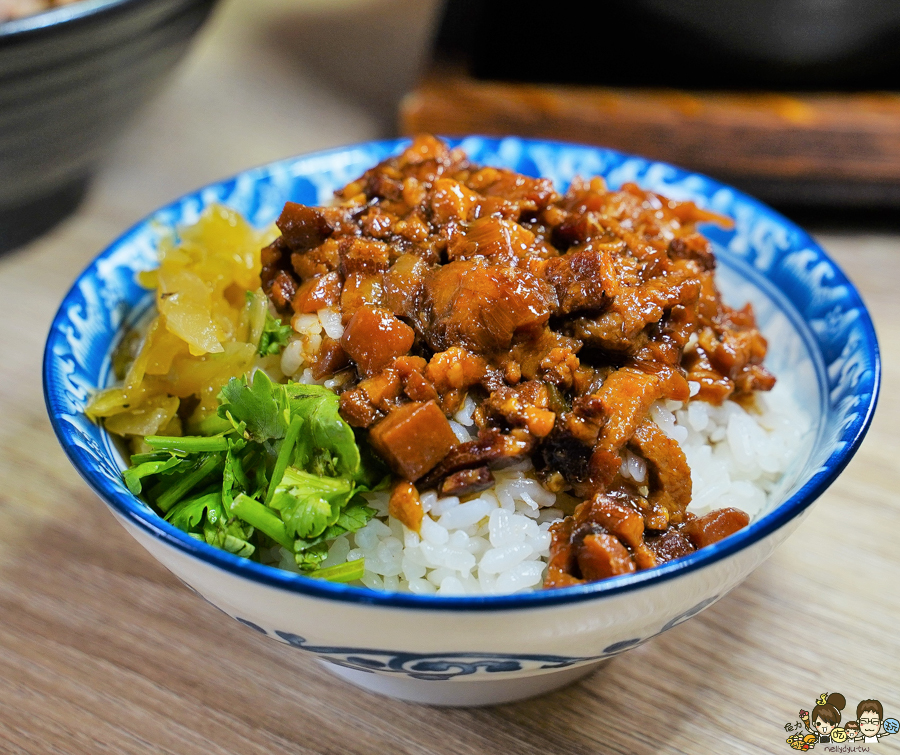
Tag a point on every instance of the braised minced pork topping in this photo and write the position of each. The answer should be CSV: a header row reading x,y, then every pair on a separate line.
x,y
564,316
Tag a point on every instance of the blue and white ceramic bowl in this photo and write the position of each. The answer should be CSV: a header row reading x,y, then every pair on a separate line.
x,y
482,650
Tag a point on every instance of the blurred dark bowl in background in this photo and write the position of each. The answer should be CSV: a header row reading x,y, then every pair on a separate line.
x,y
697,44
70,79
794,101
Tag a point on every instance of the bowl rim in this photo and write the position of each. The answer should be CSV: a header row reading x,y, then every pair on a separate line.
x,y
48,20
125,505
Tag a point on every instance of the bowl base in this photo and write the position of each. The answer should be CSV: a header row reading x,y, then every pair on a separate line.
x,y
21,223
461,692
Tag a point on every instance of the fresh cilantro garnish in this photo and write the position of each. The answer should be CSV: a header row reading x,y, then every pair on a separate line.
x,y
279,467
274,337
258,410
134,475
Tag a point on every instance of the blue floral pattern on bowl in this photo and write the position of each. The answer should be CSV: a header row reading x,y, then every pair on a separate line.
x,y
444,666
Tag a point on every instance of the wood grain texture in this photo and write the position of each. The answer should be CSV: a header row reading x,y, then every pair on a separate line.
x,y
103,651
804,145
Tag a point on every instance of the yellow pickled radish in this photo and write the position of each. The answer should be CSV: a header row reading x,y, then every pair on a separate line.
x,y
206,331
202,281
186,303
113,401
162,350
138,368
106,403
205,377
147,419
257,307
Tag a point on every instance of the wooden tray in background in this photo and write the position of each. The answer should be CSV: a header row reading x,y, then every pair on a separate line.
x,y
806,149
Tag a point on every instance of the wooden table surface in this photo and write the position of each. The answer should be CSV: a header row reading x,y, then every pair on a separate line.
x,y
103,651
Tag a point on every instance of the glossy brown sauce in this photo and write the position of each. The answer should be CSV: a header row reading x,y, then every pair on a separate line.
x,y
565,316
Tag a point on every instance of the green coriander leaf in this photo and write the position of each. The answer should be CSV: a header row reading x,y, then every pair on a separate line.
x,y
205,465
275,458
274,337
188,514
306,515
329,486
352,518
237,546
328,445
232,538
308,560
261,406
355,516
253,462
238,529
240,476
133,477
309,503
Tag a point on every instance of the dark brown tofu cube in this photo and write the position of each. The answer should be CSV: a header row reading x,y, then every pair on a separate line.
x,y
413,438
